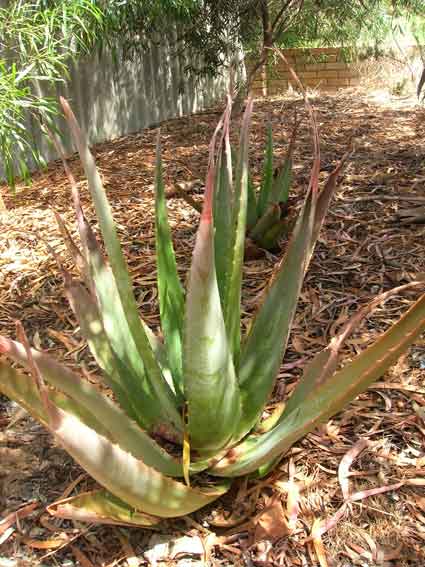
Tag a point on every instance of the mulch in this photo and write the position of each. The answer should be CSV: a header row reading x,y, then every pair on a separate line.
x,y
350,493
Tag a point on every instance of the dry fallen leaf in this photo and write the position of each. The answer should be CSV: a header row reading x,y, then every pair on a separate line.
x,y
271,523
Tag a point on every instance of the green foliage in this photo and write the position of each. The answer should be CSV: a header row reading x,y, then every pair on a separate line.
x,y
204,387
37,38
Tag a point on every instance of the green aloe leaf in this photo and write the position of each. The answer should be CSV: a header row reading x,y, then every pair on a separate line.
x,y
266,342
171,295
210,384
154,380
325,363
115,374
322,367
146,396
232,302
329,395
125,476
100,507
265,345
271,238
267,180
252,216
223,205
270,218
121,429
21,389
283,176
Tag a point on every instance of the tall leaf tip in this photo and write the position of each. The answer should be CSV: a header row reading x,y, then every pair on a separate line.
x,y
207,209
65,105
4,345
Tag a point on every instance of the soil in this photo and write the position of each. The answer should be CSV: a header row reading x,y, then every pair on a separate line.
x,y
296,516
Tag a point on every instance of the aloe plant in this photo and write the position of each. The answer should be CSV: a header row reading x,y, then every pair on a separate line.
x,y
268,204
267,210
190,405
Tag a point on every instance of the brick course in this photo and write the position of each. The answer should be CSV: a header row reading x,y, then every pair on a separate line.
x,y
322,68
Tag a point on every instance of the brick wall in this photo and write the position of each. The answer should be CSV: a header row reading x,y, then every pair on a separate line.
x,y
321,68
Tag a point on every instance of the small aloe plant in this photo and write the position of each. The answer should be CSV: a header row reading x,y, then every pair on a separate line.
x,y
267,208
267,215
188,411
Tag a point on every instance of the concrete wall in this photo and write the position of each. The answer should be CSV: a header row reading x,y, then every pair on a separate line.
x,y
111,100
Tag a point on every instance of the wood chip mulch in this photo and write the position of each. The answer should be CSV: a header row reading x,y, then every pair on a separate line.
x,y
352,492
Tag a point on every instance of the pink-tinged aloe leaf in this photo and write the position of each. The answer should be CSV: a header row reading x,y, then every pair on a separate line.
x,y
100,507
232,302
128,478
329,397
325,363
72,248
171,296
223,205
267,180
80,259
121,429
210,383
324,199
153,375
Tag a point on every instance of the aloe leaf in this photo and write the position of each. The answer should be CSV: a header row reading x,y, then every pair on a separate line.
x,y
267,180
223,206
116,375
171,296
251,215
146,397
113,317
223,225
154,378
21,389
270,239
325,363
267,221
282,183
80,258
328,397
324,199
100,507
232,303
265,345
126,477
120,427
210,383
283,176
72,248
266,342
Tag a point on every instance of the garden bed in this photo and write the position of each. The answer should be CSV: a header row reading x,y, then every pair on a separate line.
x,y
362,251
